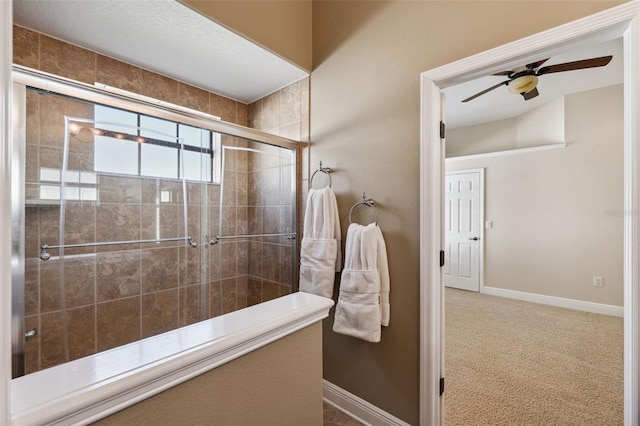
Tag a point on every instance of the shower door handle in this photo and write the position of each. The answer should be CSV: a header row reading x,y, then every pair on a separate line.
x,y
30,334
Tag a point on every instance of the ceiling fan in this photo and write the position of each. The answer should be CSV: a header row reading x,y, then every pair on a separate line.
x,y
523,80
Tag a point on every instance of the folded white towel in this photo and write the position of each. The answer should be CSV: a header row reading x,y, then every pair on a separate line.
x,y
363,304
320,253
385,283
317,266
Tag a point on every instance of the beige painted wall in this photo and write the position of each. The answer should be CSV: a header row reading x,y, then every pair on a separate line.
x,y
365,119
557,215
284,27
531,133
494,136
523,131
279,384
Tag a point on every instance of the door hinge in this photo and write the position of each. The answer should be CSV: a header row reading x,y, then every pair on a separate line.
x,y
441,385
442,130
441,258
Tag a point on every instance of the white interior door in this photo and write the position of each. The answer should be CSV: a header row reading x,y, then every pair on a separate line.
x,y
462,222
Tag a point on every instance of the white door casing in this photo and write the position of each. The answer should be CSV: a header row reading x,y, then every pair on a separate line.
x,y
463,208
620,21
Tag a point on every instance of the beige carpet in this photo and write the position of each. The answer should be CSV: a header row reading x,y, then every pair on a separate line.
x,y
516,363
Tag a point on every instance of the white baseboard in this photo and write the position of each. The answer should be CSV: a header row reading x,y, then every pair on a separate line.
x,y
357,408
597,308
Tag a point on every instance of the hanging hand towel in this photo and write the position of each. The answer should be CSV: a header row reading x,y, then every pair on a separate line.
x,y
385,283
363,304
320,254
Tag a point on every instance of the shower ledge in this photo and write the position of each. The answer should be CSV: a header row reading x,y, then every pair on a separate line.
x,y
90,388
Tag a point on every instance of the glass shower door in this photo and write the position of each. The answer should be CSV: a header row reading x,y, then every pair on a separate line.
x,y
134,227
256,220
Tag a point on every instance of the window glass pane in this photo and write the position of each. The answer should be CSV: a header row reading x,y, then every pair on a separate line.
x,y
194,136
158,129
126,156
49,192
115,156
49,175
72,176
71,193
88,177
159,161
166,196
197,166
116,120
216,144
88,194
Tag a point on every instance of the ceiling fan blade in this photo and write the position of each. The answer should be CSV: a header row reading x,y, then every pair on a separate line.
x,y
576,65
504,73
535,65
531,94
485,91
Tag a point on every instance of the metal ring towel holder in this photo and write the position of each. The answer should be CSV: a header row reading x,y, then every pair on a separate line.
x,y
365,202
325,170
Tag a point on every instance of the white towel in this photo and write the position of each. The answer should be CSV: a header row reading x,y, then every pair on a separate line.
x,y
320,253
363,304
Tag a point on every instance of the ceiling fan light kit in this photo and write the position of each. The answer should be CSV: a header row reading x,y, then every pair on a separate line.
x,y
523,84
524,81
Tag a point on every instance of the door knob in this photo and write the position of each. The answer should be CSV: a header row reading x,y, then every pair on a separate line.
x,y
474,238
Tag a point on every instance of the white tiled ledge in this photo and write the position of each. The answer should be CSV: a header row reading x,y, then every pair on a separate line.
x,y
85,390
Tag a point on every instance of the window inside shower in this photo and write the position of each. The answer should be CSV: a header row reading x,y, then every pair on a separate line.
x,y
132,224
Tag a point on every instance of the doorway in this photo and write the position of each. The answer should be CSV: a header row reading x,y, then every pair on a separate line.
x,y
463,218
538,201
621,21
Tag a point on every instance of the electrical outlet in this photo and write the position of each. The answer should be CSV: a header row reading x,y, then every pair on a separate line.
x,y
597,281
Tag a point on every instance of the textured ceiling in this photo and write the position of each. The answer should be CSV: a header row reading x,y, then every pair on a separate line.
x,y
501,104
166,37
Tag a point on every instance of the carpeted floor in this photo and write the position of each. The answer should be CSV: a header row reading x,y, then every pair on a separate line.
x,y
517,363
334,417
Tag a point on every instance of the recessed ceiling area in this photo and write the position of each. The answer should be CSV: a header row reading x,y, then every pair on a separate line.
x,y
500,104
166,37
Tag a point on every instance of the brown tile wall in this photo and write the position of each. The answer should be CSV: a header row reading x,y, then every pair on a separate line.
x,y
119,294
286,113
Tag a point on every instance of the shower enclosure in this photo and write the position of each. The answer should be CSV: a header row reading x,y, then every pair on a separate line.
x,y
131,220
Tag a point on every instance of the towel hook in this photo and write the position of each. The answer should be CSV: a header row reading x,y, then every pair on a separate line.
x,y
364,202
325,170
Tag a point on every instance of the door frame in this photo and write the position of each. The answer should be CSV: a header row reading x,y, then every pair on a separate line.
x,y
621,21
481,225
